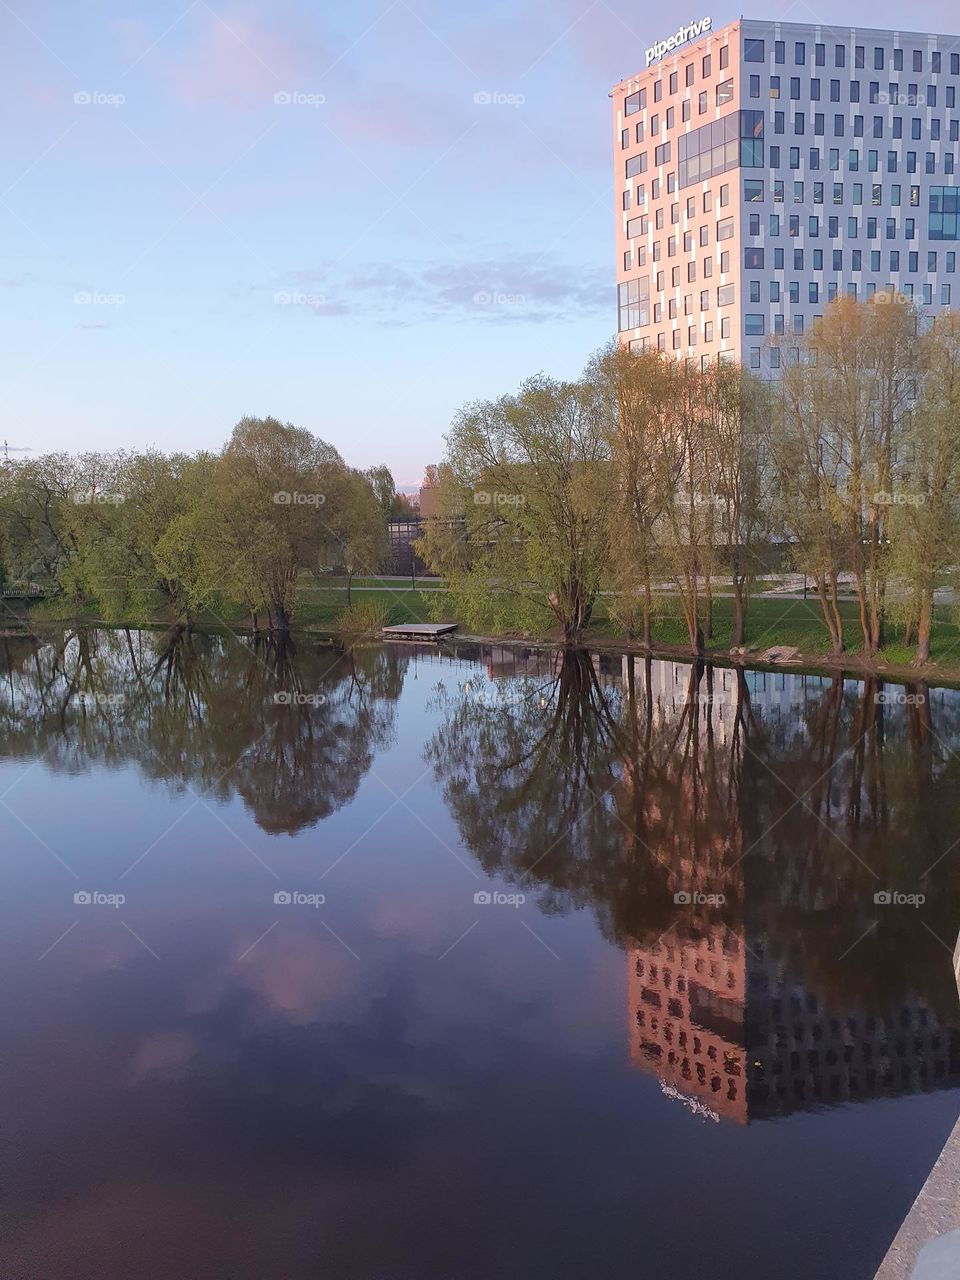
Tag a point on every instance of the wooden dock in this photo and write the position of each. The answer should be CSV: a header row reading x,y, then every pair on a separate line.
x,y
420,630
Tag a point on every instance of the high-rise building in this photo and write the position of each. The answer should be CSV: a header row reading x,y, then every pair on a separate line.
x,y
764,168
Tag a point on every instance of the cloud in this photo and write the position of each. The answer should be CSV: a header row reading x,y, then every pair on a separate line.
x,y
237,61
508,289
412,117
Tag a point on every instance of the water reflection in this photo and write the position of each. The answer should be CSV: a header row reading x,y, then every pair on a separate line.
x,y
291,729
700,850
738,834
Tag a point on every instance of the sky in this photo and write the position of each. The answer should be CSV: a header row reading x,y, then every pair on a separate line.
x,y
356,217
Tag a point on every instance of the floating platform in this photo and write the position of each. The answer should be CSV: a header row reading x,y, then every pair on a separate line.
x,y
421,630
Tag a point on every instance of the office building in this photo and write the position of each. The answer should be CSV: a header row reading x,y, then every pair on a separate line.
x,y
764,168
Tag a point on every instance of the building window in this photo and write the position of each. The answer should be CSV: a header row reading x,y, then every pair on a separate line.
x,y
754,51
734,139
631,104
753,258
725,295
943,213
633,299
725,229
753,325
725,92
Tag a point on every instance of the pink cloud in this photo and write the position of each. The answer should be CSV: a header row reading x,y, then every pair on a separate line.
x,y
239,63
402,114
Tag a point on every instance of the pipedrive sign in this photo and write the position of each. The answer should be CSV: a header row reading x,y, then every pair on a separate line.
x,y
681,36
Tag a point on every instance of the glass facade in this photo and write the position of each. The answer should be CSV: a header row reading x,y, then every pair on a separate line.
x,y
736,139
633,298
944,211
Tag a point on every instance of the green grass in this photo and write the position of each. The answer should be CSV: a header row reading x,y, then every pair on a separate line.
x,y
770,622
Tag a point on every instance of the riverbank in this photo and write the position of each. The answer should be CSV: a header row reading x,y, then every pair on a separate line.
x,y
783,634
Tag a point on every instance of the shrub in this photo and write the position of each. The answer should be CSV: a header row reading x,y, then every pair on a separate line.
x,y
363,617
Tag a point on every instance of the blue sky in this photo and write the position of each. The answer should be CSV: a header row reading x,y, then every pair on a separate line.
x,y
355,217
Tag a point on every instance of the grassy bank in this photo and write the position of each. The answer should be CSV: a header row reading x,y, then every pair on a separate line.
x,y
772,623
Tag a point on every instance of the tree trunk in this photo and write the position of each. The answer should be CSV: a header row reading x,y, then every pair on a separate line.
x,y
924,627
739,613
827,595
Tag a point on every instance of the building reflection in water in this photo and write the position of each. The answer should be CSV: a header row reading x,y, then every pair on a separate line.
x,y
726,1024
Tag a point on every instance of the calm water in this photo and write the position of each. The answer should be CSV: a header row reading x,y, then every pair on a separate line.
x,y
683,1040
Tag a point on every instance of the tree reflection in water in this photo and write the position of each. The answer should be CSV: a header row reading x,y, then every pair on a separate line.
x,y
291,729
730,830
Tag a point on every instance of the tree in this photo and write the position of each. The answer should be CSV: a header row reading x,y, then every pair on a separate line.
x,y
635,390
859,380
808,467
688,520
265,517
924,508
523,537
733,444
355,524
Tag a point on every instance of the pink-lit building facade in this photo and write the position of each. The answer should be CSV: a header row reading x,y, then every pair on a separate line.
x,y
764,168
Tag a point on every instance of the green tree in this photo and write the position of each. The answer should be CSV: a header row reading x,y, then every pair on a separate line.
x,y
523,537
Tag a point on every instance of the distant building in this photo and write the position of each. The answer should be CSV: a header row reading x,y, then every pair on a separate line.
x,y
429,501
764,168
